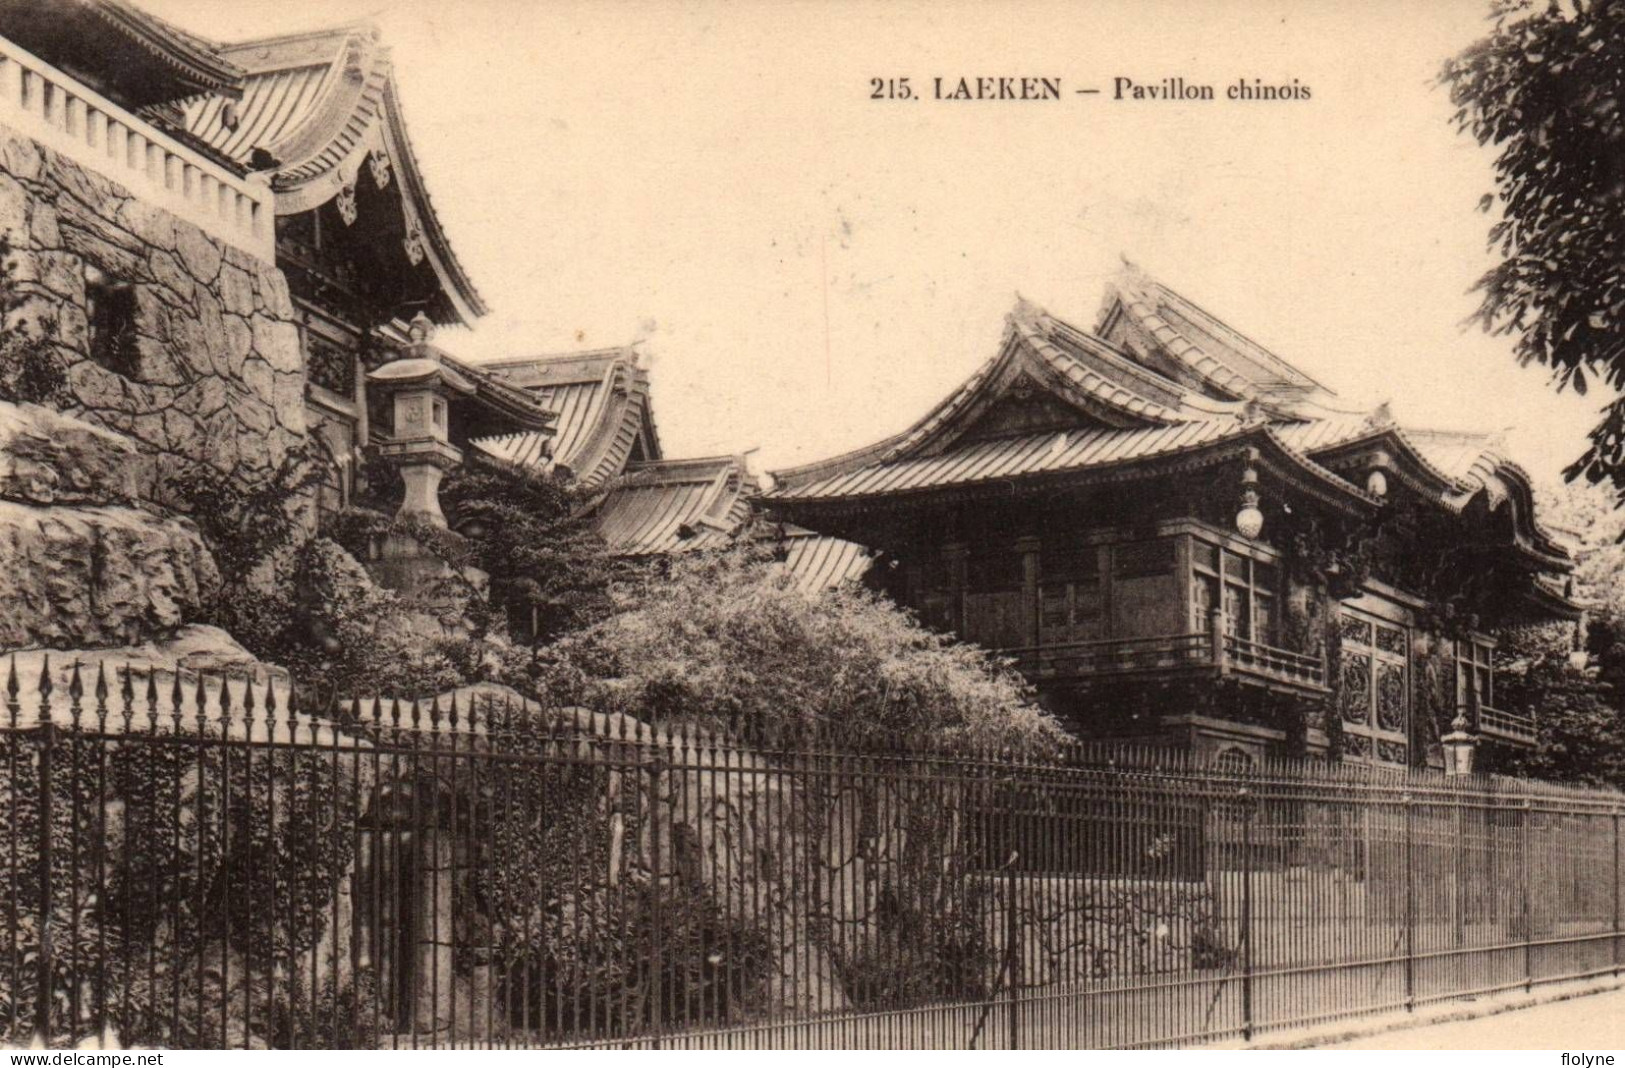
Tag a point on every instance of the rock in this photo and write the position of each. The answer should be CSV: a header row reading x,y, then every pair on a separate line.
x,y
237,290
43,226
193,649
14,228
85,576
151,224
200,254
168,272
20,157
50,458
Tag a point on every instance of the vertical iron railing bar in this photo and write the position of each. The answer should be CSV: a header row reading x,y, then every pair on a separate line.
x,y
414,942
225,875
251,859
199,888
1615,899
356,741
656,878
1249,806
1410,903
76,692
429,853
1528,933
14,1025
279,932
43,993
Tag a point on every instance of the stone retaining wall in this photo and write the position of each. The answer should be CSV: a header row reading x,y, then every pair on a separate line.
x,y
216,373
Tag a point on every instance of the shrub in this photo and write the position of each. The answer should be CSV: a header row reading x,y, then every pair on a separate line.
x,y
726,641
164,871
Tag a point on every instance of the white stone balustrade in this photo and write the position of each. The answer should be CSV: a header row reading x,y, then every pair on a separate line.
x,y
54,109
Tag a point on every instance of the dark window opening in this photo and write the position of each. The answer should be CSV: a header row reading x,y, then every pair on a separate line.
x,y
110,313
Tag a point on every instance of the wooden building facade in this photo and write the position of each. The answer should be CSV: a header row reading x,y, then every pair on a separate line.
x,y
1182,539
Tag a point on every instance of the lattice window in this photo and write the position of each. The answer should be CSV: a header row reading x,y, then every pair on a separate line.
x,y
330,364
1374,698
1475,675
1071,602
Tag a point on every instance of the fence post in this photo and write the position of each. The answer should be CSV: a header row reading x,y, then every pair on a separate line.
x,y
1012,939
1410,905
1528,932
1458,852
42,1005
1616,894
1246,914
657,966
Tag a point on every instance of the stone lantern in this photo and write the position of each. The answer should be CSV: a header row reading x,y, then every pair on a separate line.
x,y
420,387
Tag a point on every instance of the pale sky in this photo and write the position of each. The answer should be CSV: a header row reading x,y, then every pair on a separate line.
x,y
810,270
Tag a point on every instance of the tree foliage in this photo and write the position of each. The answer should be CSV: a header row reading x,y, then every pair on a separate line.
x,y
1546,88
726,640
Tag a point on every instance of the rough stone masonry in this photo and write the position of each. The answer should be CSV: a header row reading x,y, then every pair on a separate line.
x,y
216,375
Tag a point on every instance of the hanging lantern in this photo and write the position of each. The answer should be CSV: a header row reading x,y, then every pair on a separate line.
x,y
1249,521
1376,483
1459,746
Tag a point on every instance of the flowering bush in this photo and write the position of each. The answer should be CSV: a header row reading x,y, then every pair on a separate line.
x,y
726,640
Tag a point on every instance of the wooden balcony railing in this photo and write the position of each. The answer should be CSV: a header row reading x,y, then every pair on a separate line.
x,y
1169,653
63,114
1280,664
1510,726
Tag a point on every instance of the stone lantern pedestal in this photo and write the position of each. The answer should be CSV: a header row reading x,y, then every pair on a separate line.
x,y
419,387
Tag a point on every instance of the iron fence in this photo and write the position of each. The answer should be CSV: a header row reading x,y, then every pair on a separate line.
x,y
199,862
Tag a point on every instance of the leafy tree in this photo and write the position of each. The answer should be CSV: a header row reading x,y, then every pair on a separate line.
x,y
1581,734
1546,87
548,571
726,641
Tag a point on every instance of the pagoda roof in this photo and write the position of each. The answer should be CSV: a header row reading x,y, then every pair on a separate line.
x,y
600,400
1159,385
137,57
676,505
314,107
1172,335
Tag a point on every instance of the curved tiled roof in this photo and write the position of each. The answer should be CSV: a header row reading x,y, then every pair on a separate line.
x,y
1226,360
1082,372
676,506
159,63
1005,458
1209,387
817,562
321,104
601,401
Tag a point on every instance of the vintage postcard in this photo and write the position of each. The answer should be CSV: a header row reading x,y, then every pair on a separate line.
x,y
842,525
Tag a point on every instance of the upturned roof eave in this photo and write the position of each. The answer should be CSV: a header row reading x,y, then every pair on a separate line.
x,y
1334,490
198,61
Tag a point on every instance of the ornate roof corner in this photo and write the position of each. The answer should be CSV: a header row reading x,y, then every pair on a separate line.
x,y
601,401
319,105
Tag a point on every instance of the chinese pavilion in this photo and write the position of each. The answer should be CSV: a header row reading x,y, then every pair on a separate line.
x,y
1182,539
